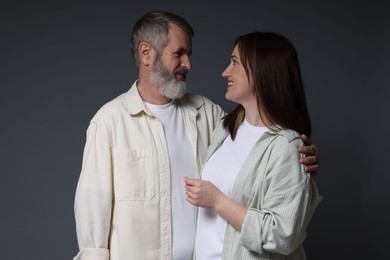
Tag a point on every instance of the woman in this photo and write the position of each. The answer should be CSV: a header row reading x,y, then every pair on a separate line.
x,y
255,200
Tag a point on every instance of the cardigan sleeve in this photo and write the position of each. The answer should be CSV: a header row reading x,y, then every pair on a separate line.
x,y
93,199
278,224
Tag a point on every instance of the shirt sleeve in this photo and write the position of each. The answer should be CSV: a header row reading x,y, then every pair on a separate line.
x,y
93,199
279,223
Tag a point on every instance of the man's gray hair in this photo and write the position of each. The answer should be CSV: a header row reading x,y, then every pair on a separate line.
x,y
153,28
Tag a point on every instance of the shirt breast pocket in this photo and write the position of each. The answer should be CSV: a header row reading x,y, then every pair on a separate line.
x,y
133,174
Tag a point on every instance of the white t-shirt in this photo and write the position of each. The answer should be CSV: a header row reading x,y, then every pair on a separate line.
x,y
221,169
182,163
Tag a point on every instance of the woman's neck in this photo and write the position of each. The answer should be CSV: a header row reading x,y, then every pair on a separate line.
x,y
253,117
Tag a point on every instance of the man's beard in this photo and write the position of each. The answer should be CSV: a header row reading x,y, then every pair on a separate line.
x,y
166,81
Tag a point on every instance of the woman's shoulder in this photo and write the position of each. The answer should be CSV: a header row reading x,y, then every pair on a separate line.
x,y
285,140
286,135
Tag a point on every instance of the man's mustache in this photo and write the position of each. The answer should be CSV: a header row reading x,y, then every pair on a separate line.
x,y
181,70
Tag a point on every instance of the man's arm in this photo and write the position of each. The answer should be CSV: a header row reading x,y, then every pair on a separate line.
x,y
311,160
93,200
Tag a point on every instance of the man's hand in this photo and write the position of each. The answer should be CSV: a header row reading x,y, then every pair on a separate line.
x,y
312,155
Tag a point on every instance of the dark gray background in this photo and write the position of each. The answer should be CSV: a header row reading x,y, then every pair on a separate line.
x,y
59,62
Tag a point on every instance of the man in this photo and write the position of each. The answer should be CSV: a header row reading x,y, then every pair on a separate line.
x,y
130,200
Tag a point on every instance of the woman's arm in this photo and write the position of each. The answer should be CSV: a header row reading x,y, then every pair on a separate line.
x,y
205,194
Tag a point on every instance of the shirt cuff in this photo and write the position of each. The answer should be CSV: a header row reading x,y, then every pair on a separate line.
x,y
250,236
93,254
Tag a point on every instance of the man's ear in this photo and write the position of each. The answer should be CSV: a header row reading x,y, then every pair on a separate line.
x,y
146,53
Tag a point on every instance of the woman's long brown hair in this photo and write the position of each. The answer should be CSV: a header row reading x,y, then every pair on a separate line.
x,y
272,61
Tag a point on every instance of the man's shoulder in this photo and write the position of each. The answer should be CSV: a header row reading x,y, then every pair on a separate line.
x,y
113,107
115,104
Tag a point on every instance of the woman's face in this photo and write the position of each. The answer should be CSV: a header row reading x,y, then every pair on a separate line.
x,y
239,88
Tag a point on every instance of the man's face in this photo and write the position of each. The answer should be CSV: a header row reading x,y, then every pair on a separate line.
x,y
169,70
167,81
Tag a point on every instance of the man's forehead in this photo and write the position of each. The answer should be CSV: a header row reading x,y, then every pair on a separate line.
x,y
179,41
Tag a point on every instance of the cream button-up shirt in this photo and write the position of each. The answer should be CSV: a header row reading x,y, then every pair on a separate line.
x,y
122,202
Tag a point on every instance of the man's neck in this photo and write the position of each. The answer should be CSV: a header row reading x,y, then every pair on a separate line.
x,y
151,94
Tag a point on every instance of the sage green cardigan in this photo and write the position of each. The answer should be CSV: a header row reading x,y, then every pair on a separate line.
x,y
281,199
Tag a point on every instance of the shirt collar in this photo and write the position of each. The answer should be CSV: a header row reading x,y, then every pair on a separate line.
x,y
135,105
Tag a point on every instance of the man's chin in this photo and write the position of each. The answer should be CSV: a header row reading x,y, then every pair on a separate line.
x,y
174,96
